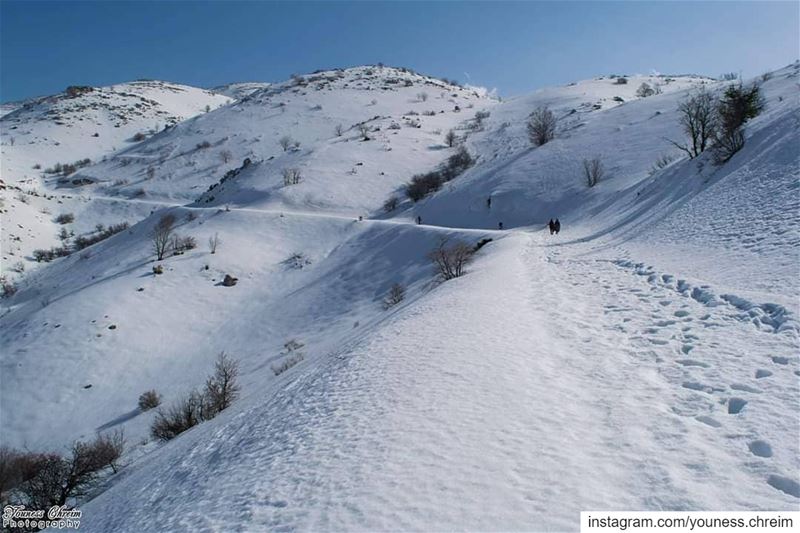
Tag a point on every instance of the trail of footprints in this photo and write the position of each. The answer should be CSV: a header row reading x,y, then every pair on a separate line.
x,y
679,315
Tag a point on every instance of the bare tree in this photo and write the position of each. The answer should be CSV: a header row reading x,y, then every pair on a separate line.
x,y
451,138
339,129
225,156
151,173
363,129
541,126
213,242
699,121
161,235
222,388
285,142
593,170
291,176
451,260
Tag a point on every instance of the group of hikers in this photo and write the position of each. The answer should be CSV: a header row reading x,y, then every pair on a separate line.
x,y
553,225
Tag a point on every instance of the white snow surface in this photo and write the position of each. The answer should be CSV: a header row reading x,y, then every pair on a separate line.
x,y
632,362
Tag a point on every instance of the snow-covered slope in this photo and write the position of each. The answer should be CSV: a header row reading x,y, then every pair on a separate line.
x,y
239,91
634,361
81,124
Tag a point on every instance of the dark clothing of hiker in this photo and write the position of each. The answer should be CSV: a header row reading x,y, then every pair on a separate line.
x,y
501,225
419,220
552,226
489,203
557,226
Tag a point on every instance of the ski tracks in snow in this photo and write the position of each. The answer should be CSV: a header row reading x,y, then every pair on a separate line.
x,y
718,376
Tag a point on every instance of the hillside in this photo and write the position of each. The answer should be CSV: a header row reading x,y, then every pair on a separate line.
x,y
78,127
644,358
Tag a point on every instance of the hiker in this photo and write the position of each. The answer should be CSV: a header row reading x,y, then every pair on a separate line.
x,y
557,226
500,225
489,203
360,218
419,220
552,226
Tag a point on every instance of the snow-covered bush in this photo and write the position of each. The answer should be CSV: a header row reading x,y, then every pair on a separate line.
x,y
7,287
182,415
285,142
423,184
363,129
65,218
645,90
222,388
391,204
291,176
593,170
541,126
338,130
293,354
225,156
149,400
396,294
203,145
451,138
621,80
213,243
450,260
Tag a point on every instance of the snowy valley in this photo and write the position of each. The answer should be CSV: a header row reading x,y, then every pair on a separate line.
x,y
643,358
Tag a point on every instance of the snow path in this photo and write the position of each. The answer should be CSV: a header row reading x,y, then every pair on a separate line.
x,y
570,385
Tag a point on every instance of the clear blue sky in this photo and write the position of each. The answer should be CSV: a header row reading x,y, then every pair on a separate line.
x,y
515,46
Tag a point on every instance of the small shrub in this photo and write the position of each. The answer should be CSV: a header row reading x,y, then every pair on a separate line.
x,y
203,145
222,388
621,80
645,90
285,142
451,138
363,129
390,204
593,170
423,184
293,353
139,137
338,130
225,156
291,176
422,97
396,294
65,218
541,126
7,287
182,415
213,243
451,260
149,400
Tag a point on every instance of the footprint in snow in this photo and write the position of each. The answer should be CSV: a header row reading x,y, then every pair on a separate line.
x,y
692,362
762,373
744,388
778,360
707,420
735,405
760,448
784,484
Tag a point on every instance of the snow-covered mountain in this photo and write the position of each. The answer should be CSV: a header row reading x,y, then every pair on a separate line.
x,y
644,358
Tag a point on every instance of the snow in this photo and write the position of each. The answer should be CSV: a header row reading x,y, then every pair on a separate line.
x,y
646,358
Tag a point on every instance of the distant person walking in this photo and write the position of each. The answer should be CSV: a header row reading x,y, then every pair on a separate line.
x,y
552,226
419,220
489,203
557,226
500,225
